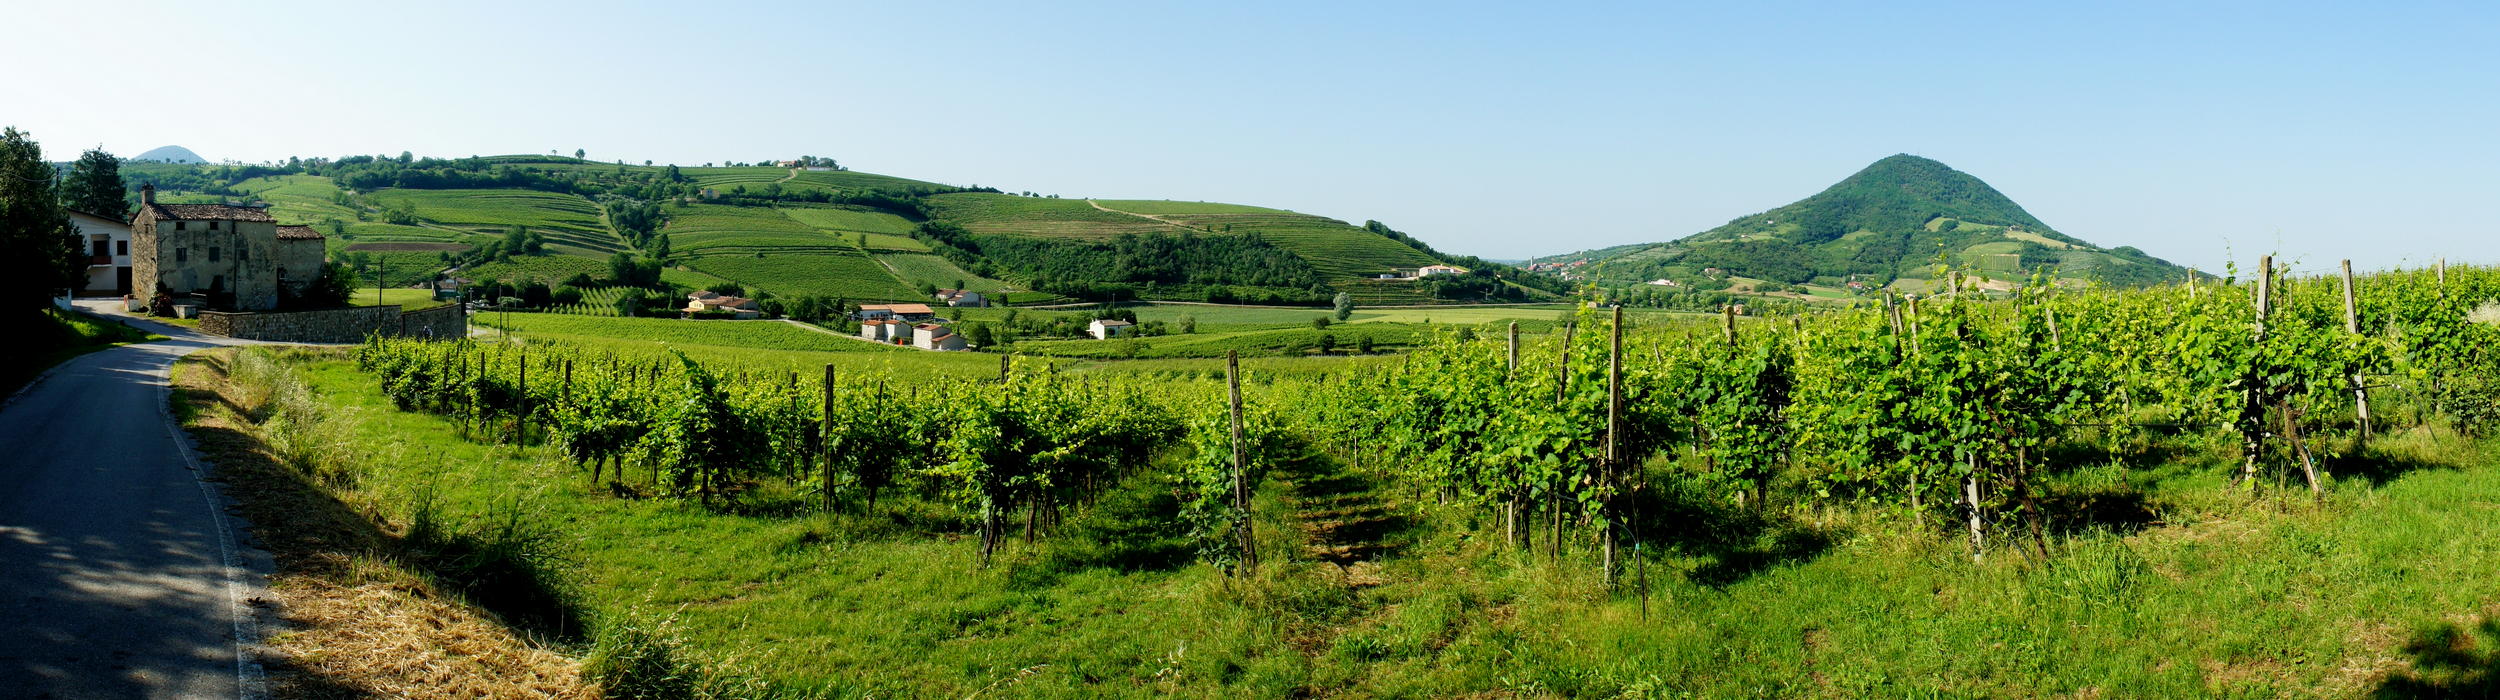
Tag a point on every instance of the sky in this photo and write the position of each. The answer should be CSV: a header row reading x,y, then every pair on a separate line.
x,y
2199,132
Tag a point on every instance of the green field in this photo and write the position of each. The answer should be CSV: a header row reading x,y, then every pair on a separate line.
x,y
754,335
1287,342
544,268
851,220
848,275
937,272
1165,207
407,299
1036,216
298,199
564,220
849,180
699,228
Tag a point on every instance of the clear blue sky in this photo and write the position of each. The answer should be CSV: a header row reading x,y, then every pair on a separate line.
x,y
2190,130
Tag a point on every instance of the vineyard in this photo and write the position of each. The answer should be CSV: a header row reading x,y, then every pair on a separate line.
x,y
1645,455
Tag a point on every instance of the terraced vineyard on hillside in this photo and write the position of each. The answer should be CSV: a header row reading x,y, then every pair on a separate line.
x,y
566,221
1034,216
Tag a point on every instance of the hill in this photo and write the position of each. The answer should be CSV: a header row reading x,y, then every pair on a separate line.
x,y
823,231
171,154
1886,225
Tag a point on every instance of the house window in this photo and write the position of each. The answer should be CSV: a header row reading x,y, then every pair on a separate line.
x,y
212,253
212,226
182,255
180,225
99,248
217,283
121,247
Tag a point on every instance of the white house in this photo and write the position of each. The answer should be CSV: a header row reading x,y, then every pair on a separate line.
x,y
962,298
931,336
105,242
1106,329
1430,270
881,330
1663,282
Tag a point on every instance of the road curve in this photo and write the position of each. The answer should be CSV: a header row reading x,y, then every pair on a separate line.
x,y
121,575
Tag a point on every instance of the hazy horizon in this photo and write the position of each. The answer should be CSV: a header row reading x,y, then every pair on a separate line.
x,y
2195,134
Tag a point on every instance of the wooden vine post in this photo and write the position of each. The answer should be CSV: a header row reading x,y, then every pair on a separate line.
x,y
2360,392
1614,445
521,405
1241,462
1562,387
1513,366
825,436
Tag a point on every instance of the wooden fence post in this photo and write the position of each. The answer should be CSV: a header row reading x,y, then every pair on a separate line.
x,y
2443,273
1241,460
521,405
1728,312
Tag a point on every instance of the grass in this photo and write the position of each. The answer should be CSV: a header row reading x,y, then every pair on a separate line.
x,y
1037,216
1163,207
700,228
41,339
850,220
1277,341
939,272
848,275
544,268
2174,587
545,212
407,299
755,335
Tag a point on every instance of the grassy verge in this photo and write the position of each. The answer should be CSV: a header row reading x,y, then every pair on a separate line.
x,y
51,337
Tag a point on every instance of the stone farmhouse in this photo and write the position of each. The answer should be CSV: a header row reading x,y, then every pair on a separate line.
x,y
962,298
239,258
1106,329
931,336
742,307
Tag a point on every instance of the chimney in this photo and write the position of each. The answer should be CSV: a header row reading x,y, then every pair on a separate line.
x,y
147,194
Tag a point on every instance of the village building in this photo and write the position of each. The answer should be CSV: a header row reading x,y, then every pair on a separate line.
x,y
1663,282
931,336
1106,329
700,302
907,312
882,330
963,298
105,241
1430,270
231,257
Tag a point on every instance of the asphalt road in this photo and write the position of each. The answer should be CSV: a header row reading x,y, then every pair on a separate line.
x,y
120,572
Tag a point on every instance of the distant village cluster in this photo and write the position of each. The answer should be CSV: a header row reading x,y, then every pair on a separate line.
x,y
909,325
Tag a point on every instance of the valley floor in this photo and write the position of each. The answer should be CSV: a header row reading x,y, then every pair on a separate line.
x,y
2172,584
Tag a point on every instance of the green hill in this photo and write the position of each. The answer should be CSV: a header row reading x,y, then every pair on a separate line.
x,y
1885,225
814,231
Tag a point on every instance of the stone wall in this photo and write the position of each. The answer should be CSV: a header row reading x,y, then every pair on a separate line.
x,y
349,325
439,322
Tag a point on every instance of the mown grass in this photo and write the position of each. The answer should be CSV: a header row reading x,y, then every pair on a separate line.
x,y
407,299
1276,341
751,334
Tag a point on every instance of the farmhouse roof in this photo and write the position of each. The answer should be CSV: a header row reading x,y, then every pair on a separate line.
x,y
298,233
93,215
1107,323
705,294
199,212
898,308
930,327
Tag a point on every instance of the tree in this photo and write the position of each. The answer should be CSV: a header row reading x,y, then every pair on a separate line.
x,y
1345,306
1327,343
95,185
333,288
38,245
980,335
577,154
1320,322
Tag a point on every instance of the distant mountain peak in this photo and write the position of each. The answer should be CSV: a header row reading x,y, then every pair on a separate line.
x,y
171,154
1889,220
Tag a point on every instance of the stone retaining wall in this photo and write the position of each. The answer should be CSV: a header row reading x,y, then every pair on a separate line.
x,y
349,325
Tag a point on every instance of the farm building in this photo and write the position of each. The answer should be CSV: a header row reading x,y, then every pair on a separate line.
x,y
106,242
232,257
963,298
907,312
931,336
1106,329
883,330
1663,282
1430,270
700,302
